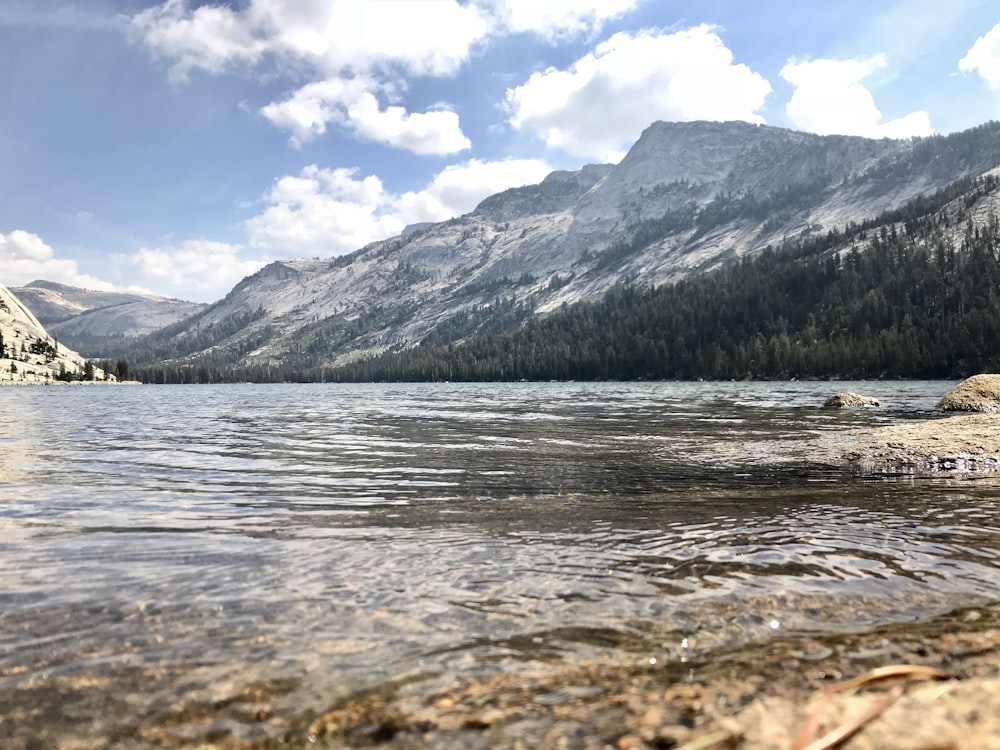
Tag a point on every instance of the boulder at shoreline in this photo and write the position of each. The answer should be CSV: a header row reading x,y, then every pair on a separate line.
x,y
844,400
967,442
978,393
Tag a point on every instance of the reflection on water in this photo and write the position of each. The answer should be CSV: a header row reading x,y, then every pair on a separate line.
x,y
172,546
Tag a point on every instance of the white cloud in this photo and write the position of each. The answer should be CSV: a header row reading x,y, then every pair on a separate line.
x,y
322,212
354,50
421,37
434,132
459,188
328,212
197,269
830,98
984,58
355,53
554,19
349,102
24,257
601,103
211,38
306,113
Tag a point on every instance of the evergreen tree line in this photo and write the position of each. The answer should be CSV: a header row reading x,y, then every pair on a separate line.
x,y
172,342
175,355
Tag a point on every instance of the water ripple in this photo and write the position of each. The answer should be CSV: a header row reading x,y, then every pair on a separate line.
x,y
340,536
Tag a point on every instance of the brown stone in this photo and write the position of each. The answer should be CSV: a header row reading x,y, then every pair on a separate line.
x,y
978,393
844,400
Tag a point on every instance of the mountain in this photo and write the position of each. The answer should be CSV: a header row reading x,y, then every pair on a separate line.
x,y
29,355
910,293
74,314
685,199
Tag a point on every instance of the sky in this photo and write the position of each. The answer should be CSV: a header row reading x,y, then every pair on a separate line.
x,y
176,146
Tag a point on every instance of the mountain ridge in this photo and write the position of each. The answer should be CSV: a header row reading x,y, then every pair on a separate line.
x,y
685,198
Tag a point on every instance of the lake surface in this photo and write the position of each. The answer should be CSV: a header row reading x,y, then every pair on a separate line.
x,y
167,550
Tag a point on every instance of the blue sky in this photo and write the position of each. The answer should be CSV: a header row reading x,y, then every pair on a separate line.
x,y
176,146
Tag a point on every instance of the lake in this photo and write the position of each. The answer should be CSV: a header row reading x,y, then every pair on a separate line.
x,y
166,551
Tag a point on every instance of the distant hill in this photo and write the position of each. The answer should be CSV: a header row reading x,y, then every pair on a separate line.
x,y
28,354
81,315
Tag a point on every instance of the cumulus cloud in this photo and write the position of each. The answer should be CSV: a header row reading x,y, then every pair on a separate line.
x,y
322,212
211,38
196,269
555,19
349,102
329,212
25,257
830,98
354,51
601,103
421,37
459,188
984,58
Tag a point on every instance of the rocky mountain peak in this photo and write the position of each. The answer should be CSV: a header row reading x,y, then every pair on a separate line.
x,y
557,192
737,157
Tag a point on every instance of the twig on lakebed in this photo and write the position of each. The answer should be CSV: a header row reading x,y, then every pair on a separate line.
x,y
806,738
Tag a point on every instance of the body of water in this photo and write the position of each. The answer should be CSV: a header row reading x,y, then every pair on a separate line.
x,y
167,550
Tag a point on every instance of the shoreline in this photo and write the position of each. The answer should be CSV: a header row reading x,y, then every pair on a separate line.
x,y
46,383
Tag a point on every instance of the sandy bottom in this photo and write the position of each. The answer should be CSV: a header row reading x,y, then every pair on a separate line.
x,y
779,696
788,693
785,694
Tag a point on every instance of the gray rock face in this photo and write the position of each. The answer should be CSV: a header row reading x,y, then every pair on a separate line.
x,y
557,192
849,400
69,312
30,355
978,393
686,197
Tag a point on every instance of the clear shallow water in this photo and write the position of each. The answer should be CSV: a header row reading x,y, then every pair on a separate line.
x,y
164,547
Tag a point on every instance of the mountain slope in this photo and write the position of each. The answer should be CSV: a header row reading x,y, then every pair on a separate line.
x,y
73,314
911,293
29,355
687,197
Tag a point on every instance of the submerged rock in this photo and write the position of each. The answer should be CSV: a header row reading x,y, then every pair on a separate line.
x,y
978,393
842,400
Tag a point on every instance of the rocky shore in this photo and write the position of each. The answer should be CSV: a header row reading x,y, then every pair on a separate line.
x,y
933,685
961,442
964,437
